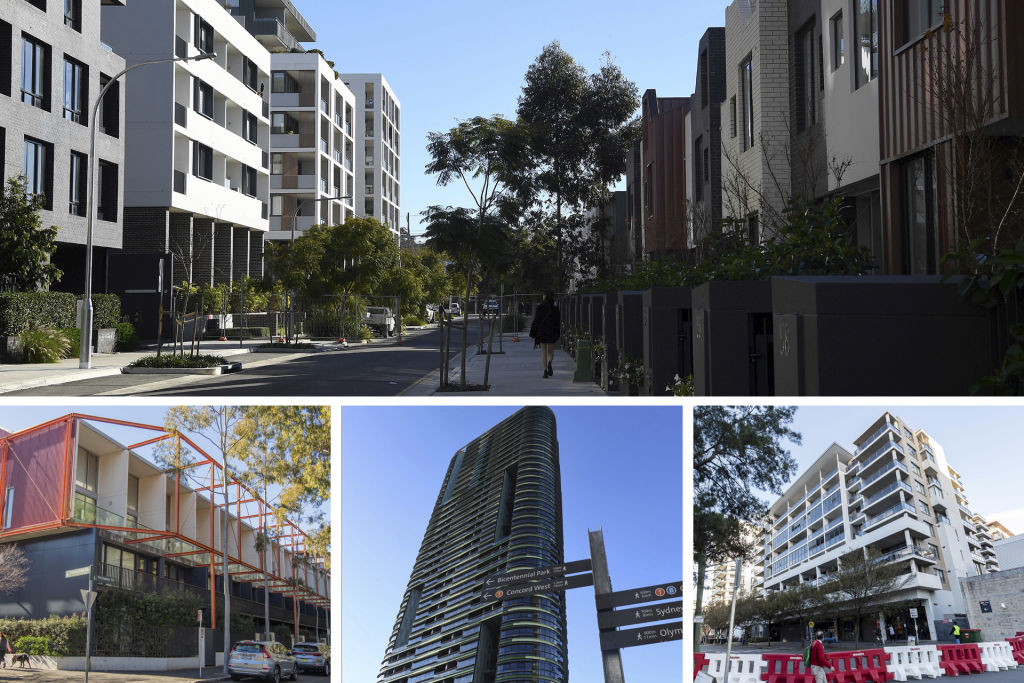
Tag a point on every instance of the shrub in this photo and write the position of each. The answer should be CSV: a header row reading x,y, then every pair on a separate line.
x,y
508,324
43,346
22,310
106,310
65,635
413,320
127,339
33,645
365,333
74,336
170,361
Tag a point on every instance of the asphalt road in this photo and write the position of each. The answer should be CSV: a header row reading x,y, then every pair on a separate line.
x,y
378,369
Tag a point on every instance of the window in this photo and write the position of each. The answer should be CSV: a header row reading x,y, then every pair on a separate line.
x,y
35,70
277,163
202,161
919,16
924,507
38,4
867,40
732,116
109,114
942,576
76,91
920,248
203,36
698,186
249,128
106,204
86,471
747,90
753,231
84,508
38,173
249,181
202,98
919,487
281,123
8,507
276,205
76,184
706,164
805,94
916,470
73,14
133,501
5,58
282,81
249,73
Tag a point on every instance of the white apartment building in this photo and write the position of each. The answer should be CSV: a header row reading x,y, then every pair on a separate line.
x,y
895,493
197,152
378,124
755,115
312,146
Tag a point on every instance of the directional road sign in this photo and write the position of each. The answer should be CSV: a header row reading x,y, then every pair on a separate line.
x,y
547,586
662,591
640,615
81,571
613,640
521,575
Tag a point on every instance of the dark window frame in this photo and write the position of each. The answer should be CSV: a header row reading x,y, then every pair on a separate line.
x,y
109,115
73,14
805,90
837,34
76,91
40,180
866,73
202,160
203,38
78,173
39,75
250,74
106,191
250,127
249,181
911,30
747,88
202,97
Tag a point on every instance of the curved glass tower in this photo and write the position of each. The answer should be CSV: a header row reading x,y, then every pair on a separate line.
x,y
499,509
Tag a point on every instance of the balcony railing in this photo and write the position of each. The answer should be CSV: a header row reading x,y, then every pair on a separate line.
x,y
894,465
270,26
881,430
886,491
894,510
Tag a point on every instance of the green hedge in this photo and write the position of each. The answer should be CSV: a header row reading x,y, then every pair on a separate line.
x,y
65,636
233,332
56,310
172,361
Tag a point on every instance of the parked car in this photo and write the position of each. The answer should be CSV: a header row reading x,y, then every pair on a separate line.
x,y
262,659
455,308
315,656
491,306
381,320
431,312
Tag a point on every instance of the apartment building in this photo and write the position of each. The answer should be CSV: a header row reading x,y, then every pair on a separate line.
x,y
499,508
704,138
722,578
312,149
663,173
73,497
895,493
378,123
197,182
52,68
756,116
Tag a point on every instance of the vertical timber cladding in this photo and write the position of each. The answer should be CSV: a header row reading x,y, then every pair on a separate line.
x,y
499,508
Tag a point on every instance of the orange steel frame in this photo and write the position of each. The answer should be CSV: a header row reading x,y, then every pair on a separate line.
x,y
287,535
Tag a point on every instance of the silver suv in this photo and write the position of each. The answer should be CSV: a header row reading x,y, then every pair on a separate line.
x,y
313,656
262,659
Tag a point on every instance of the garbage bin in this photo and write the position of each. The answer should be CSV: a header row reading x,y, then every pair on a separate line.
x,y
970,635
584,362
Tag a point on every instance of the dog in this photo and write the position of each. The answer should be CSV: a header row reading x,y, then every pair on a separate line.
x,y
21,659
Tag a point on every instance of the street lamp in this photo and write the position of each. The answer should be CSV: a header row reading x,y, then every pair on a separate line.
x,y
295,217
85,354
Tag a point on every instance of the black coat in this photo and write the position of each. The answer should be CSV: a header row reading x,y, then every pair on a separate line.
x,y
547,323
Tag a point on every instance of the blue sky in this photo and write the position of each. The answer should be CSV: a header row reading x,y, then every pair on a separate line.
x,y
621,471
984,443
456,59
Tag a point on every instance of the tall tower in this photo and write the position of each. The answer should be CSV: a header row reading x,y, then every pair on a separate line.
x,y
499,509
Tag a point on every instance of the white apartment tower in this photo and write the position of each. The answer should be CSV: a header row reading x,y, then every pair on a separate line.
x,y
895,493
378,124
197,148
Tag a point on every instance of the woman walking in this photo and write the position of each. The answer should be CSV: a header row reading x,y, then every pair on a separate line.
x,y
547,323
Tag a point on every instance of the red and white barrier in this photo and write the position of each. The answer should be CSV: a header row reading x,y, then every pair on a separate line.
x,y
742,668
915,661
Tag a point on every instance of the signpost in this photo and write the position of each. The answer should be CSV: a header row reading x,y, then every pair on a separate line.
x,y
613,640
547,586
202,642
89,598
661,591
913,615
640,615
521,575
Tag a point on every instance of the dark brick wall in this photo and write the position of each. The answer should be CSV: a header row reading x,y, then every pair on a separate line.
x,y
203,238
146,229
706,123
240,255
223,250
808,154
256,253
181,244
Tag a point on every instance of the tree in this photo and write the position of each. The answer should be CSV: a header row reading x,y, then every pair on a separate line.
x,y
735,449
15,568
25,259
863,577
580,128
490,153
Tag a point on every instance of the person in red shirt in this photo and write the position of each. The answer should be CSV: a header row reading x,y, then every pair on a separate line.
x,y
818,661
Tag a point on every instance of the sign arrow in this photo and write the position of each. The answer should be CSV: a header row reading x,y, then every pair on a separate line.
x,y
640,615
663,591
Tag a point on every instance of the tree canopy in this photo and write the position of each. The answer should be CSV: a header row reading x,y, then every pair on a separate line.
x,y
27,245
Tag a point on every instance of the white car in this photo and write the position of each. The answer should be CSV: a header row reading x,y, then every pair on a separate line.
x,y
381,320
261,659
455,308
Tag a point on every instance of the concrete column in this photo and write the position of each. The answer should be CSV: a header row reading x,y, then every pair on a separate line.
x,y
610,661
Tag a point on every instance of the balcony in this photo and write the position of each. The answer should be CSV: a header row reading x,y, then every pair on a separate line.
x,y
293,182
907,552
888,490
894,465
270,26
882,516
881,430
292,141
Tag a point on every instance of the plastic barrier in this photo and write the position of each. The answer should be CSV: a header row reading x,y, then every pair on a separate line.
x,y
744,668
1017,648
786,669
961,659
699,662
997,655
859,666
914,661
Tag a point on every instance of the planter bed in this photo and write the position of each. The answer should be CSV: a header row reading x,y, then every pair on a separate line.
x,y
215,370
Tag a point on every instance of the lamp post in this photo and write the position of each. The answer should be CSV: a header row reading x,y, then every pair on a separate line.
x,y
85,354
295,217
